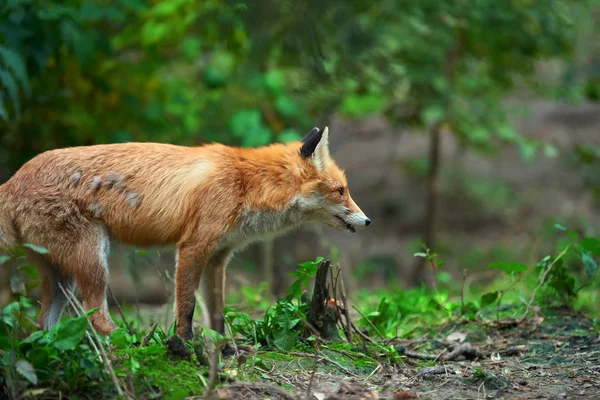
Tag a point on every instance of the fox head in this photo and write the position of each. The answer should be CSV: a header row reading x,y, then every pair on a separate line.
x,y
326,196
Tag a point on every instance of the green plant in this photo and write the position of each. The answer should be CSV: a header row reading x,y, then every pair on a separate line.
x,y
60,357
283,325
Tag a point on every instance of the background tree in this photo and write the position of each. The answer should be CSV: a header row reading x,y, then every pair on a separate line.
x,y
83,72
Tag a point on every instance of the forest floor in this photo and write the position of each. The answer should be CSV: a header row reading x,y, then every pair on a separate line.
x,y
555,357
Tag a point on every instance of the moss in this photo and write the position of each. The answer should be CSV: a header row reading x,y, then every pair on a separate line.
x,y
154,371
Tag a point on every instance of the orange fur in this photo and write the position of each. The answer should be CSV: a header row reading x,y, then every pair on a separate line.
x,y
209,200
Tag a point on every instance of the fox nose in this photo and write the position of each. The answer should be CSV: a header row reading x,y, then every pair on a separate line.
x,y
367,222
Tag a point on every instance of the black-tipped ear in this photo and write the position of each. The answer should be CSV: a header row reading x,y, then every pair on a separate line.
x,y
310,142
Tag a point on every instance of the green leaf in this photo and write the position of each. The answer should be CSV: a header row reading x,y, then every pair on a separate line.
x,y
527,150
135,365
27,371
39,357
119,338
286,106
70,333
191,48
590,264
274,80
36,248
358,105
10,85
31,339
510,268
508,133
30,271
489,298
285,339
4,259
153,32
432,115
17,286
590,244
3,112
14,62
569,232
80,43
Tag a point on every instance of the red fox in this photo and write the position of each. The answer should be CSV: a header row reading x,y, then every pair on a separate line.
x,y
209,200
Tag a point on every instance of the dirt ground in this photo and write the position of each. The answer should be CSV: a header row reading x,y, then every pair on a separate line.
x,y
553,358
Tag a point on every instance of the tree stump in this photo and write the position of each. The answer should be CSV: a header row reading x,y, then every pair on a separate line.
x,y
320,315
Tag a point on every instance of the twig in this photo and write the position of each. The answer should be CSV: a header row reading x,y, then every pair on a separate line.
x,y
149,335
346,305
370,323
542,281
362,335
372,373
80,311
314,371
462,291
120,310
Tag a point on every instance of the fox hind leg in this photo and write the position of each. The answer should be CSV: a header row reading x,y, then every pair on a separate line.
x,y
52,297
84,261
91,275
213,289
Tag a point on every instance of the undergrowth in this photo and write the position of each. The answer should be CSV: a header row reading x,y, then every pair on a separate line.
x,y
135,361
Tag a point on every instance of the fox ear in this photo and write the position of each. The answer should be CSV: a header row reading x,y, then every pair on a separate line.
x,y
322,157
310,142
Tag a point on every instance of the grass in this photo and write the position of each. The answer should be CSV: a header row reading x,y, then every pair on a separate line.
x,y
67,360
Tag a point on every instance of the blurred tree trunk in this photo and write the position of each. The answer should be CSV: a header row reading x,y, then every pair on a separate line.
x,y
267,264
419,274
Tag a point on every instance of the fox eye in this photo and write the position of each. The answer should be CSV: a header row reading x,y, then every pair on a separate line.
x,y
341,191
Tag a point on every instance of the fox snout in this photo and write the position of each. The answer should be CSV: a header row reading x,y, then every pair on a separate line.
x,y
356,220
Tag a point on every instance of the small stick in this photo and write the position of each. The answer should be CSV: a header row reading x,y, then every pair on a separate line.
x,y
462,291
149,335
348,326
314,371
120,310
370,323
362,335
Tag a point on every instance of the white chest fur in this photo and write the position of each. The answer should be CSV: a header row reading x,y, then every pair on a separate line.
x,y
260,225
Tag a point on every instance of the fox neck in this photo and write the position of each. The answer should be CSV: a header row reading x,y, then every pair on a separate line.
x,y
273,203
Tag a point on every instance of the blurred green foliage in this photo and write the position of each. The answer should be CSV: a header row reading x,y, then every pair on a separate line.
x,y
83,72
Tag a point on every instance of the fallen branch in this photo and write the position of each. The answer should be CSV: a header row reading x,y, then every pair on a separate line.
x,y
438,370
463,349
